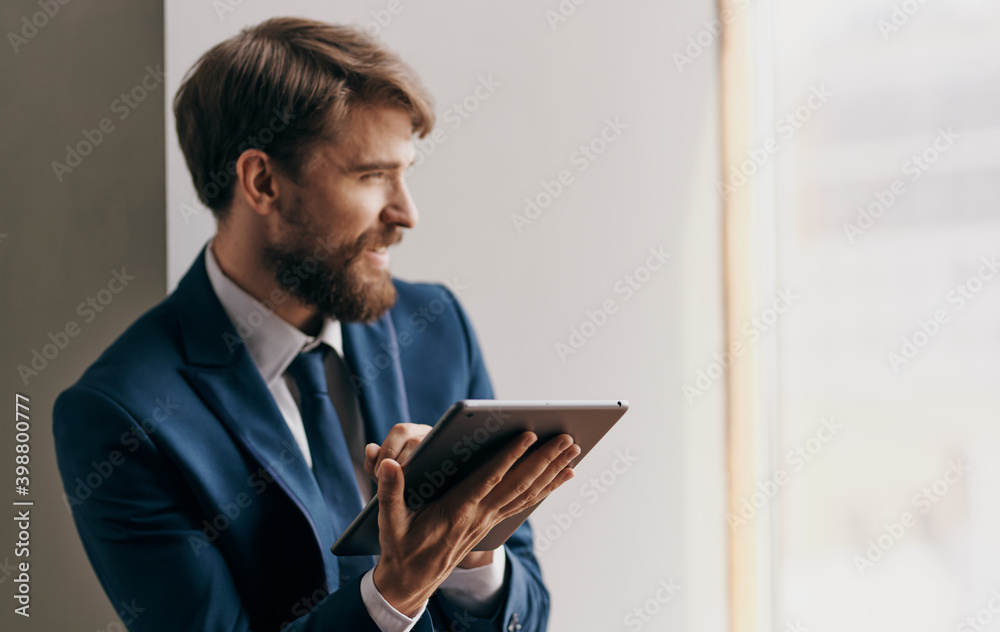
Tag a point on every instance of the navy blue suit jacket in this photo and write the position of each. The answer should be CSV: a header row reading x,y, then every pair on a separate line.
x,y
192,499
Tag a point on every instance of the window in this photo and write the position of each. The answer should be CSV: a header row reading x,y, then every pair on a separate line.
x,y
862,187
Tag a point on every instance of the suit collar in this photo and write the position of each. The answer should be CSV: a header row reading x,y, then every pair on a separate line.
x,y
207,335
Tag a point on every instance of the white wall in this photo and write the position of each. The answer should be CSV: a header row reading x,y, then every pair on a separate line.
x,y
653,187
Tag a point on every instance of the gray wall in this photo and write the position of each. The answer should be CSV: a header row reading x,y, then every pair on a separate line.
x,y
653,186
63,239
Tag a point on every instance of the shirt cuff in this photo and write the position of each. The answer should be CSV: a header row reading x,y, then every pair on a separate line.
x,y
477,590
387,618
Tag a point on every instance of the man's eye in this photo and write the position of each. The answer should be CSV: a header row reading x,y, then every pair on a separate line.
x,y
373,175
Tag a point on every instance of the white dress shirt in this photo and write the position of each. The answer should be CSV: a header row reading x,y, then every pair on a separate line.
x,y
273,344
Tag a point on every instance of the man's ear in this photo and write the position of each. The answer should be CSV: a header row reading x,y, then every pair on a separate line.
x,y
257,181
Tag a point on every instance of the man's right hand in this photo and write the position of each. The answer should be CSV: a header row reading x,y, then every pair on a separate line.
x,y
420,549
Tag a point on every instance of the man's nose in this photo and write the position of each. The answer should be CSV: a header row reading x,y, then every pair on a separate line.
x,y
401,210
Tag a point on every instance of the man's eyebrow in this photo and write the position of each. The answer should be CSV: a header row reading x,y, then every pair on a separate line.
x,y
391,165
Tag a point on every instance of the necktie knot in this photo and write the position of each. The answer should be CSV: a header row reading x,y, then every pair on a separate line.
x,y
309,372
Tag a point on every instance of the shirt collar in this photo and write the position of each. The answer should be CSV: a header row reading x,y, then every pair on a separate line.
x,y
271,341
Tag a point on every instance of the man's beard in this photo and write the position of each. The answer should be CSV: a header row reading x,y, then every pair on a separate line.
x,y
329,277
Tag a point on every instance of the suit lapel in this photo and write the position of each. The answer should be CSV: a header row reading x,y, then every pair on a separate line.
x,y
224,375
372,355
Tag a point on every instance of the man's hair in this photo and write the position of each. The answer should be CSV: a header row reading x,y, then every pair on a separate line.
x,y
282,87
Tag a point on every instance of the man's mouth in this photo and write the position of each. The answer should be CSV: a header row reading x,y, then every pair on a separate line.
x,y
378,255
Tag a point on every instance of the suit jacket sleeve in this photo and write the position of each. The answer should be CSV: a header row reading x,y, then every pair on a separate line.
x,y
526,602
137,525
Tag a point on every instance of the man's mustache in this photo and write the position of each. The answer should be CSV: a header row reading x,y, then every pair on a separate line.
x,y
372,241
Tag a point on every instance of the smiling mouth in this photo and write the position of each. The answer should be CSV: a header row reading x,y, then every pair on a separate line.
x,y
379,252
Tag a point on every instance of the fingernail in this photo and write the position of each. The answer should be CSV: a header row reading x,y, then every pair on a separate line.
x,y
529,440
565,442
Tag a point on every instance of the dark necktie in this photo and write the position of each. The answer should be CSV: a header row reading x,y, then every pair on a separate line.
x,y
332,464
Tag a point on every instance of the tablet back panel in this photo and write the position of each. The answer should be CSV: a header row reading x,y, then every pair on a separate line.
x,y
468,434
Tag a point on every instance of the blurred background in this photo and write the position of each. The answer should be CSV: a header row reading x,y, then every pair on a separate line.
x,y
886,221
812,370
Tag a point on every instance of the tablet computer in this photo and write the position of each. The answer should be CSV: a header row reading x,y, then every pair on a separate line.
x,y
468,434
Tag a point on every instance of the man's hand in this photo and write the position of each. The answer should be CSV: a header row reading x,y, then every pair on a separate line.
x,y
420,549
398,445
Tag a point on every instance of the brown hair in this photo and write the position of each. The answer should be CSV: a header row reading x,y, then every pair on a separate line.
x,y
281,87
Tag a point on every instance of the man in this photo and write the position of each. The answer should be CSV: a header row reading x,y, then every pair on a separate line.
x,y
236,428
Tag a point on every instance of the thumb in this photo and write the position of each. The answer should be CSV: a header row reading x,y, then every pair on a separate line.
x,y
392,511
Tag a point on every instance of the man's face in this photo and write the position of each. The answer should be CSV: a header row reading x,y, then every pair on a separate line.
x,y
350,205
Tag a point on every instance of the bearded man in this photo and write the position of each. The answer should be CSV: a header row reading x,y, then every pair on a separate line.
x,y
213,454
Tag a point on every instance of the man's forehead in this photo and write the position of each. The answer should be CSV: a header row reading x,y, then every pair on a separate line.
x,y
373,135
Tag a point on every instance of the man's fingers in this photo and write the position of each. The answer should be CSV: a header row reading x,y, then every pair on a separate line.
x,y
487,476
398,445
545,484
393,515
396,448
408,447
564,476
371,456
535,472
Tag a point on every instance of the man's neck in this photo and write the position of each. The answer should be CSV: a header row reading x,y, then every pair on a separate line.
x,y
242,264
